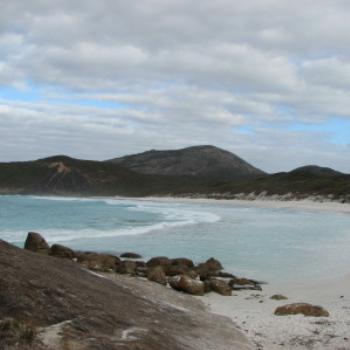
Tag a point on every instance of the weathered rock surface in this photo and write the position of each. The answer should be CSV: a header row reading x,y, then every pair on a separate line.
x,y
220,287
98,262
36,243
208,268
182,262
61,251
244,283
278,297
72,308
157,274
162,261
127,267
131,255
187,284
301,308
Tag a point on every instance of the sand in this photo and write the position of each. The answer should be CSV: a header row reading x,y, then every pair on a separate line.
x,y
262,203
253,312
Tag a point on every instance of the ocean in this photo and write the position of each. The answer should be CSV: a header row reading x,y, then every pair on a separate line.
x,y
273,245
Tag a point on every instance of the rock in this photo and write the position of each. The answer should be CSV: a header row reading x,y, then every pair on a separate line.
x,y
162,261
301,308
99,262
36,243
157,274
220,287
207,286
213,264
187,284
243,284
208,268
278,297
130,255
61,251
127,267
15,334
182,262
175,270
223,274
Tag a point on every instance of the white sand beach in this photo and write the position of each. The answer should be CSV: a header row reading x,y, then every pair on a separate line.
x,y
305,204
253,312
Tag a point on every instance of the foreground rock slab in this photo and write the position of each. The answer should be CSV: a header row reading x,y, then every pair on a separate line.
x,y
301,308
68,307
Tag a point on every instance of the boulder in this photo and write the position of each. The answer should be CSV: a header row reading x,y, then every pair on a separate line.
x,y
61,251
208,268
301,308
162,261
127,267
243,284
207,286
213,264
130,255
157,274
182,262
278,297
187,284
220,287
175,270
36,243
99,262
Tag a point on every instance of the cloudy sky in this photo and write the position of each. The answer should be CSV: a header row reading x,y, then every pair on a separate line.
x,y
266,79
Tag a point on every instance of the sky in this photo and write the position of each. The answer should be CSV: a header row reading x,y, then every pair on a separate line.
x,y
266,79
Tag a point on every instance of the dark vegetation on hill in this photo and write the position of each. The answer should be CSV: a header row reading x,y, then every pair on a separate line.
x,y
203,170
204,161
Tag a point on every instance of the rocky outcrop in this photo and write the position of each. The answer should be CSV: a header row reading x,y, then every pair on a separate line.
x,y
301,308
48,303
162,261
182,262
220,287
98,262
181,273
131,255
175,270
244,283
187,284
61,251
208,268
157,274
36,243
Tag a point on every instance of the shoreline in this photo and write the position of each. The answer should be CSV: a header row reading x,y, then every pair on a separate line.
x,y
303,204
308,203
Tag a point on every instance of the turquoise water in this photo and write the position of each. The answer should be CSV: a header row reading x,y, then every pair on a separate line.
x,y
264,243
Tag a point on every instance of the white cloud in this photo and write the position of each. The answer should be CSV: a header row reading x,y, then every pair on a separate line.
x,y
179,73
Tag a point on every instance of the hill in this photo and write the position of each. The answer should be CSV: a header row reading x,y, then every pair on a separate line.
x,y
299,183
202,170
204,161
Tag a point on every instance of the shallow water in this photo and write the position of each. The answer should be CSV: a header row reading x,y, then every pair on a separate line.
x,y
264,243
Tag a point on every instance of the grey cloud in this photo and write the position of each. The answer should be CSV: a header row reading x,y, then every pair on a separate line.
x,y
185,72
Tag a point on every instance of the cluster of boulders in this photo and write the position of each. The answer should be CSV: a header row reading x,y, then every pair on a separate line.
x,y
181,273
